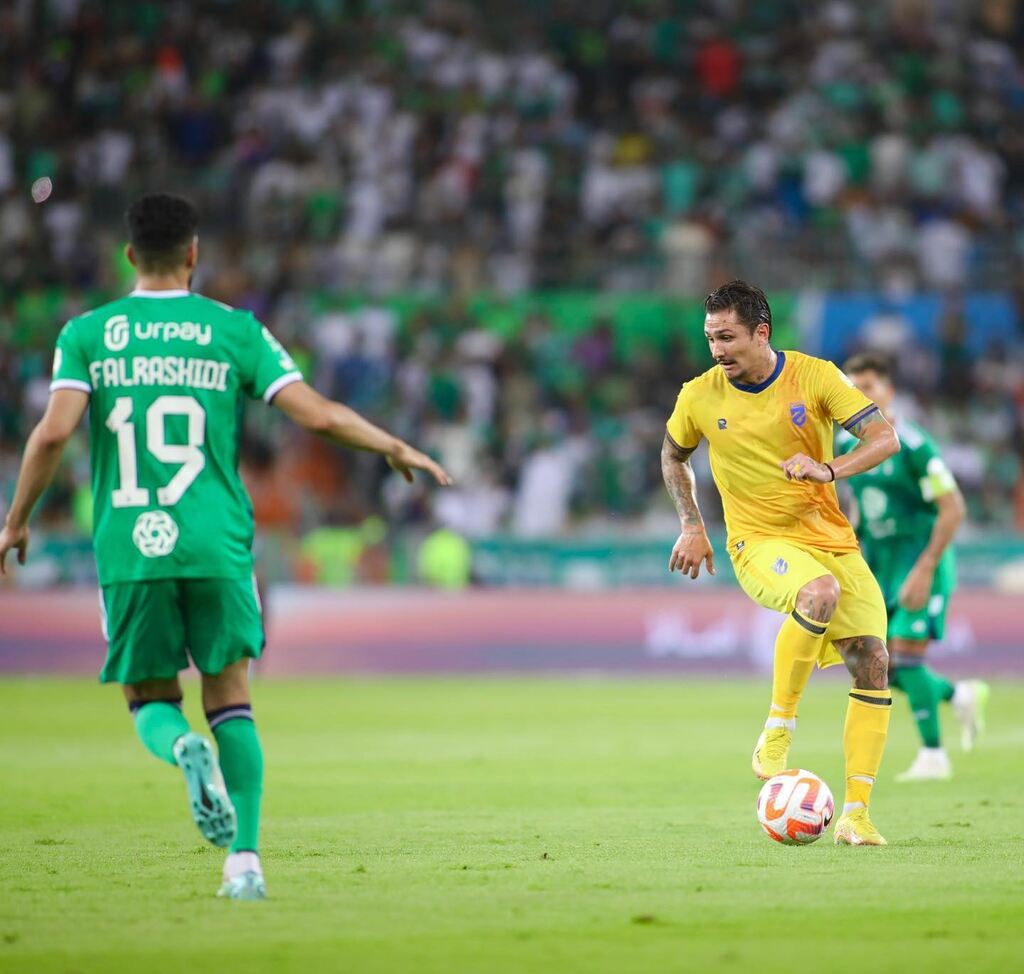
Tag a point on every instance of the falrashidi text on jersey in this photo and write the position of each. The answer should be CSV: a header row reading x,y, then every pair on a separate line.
x,y
160,370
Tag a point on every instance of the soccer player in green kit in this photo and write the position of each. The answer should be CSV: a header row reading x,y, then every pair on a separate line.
x,y
164,373
909,509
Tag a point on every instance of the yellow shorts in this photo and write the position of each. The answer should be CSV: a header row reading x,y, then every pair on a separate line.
x,y
772,572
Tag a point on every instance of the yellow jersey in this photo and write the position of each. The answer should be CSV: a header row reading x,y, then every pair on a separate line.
x,y
751,429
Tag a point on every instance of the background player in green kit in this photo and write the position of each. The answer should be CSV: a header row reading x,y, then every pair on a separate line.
x,y
909,509
164,374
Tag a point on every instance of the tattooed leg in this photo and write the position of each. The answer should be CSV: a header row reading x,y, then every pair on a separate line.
x,y
867,660
867,725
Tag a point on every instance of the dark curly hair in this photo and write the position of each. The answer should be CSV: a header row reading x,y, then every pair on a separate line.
x,y
160,228
747,300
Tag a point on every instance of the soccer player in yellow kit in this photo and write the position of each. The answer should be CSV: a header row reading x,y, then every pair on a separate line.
x,y
768,418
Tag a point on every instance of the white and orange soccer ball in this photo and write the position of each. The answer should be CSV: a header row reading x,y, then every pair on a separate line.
x,y
795,807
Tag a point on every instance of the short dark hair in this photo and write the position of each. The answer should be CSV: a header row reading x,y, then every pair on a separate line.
x,y
869,362
747,300
160,228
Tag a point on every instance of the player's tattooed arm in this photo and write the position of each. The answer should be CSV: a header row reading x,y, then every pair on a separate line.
x,y
678,477
867,660
878,442
692,547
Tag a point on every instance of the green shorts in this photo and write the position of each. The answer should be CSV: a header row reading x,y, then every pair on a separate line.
x,y
927,623
891,564
153,628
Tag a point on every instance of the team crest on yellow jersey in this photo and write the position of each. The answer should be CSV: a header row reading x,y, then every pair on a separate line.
x,y
798,413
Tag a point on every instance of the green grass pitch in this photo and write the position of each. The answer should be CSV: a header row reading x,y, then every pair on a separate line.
x,y
501,825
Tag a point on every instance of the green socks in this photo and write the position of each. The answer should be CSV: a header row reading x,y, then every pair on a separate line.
x,y
159,723
241,762
943,687
925,690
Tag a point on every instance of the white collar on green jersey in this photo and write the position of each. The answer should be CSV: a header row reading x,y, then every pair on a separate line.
x,y
174,293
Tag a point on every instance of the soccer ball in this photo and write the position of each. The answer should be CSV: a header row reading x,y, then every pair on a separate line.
x,y
795,807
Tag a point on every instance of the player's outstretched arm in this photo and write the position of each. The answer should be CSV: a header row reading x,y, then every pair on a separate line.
x,y
917,587
42,456
692,547
878,442
338,422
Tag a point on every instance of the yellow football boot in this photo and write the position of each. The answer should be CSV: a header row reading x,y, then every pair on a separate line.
x,y
771,752
855,828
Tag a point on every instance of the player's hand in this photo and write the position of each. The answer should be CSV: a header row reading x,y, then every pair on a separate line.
x,y
802,467
406,459
691,548
917,588
11,537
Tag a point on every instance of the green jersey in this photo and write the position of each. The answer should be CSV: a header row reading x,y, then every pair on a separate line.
x,y
896,499
168,373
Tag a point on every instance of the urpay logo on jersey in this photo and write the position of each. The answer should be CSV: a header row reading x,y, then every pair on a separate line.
x,y
116,332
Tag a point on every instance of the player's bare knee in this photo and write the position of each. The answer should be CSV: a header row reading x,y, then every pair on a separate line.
x,y
906,652
148,691
230,686
819,598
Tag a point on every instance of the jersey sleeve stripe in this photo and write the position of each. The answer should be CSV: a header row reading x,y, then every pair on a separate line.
x,y
279,383
70,384
857,417
678,446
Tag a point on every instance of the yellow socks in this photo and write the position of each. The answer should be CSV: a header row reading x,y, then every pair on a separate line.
x,y
867,725
797,648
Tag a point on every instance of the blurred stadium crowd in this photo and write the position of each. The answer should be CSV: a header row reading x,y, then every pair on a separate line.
x,y
358,146
450,149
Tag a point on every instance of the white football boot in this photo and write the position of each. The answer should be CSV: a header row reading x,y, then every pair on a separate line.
x,y
970,698
931,764
243,878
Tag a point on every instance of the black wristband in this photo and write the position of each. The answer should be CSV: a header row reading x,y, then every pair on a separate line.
x,y
832,471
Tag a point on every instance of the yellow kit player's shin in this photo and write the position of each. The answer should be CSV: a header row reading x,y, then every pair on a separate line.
x,y
796,651
867,726
797,648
